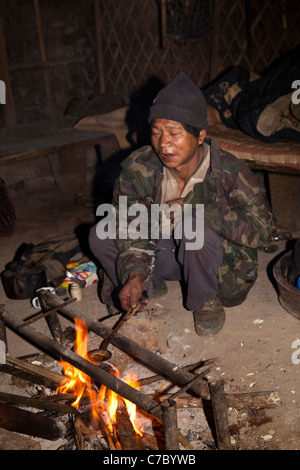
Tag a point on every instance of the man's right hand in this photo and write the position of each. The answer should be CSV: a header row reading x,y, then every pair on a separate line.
x,y
132,291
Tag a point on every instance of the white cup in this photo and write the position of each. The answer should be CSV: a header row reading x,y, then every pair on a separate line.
x,y
35,301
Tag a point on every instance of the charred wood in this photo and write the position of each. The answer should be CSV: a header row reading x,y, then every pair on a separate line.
x,y
98,374
220,414
128,438
39,403
136,351
169,414
36,370
26,422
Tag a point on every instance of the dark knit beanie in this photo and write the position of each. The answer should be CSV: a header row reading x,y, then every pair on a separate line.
x,y
181,101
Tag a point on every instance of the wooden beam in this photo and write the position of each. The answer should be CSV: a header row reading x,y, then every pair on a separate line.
x,y
43,53
99,46
214,49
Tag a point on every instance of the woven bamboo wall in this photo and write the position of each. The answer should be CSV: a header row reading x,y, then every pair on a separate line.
x,y
54,51
136,46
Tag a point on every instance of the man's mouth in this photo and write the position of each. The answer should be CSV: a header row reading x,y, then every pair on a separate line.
x,y
167,156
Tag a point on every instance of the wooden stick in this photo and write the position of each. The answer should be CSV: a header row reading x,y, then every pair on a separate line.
x,y
123,319
188,368
36,369
27,376
40,403
113,445
188,385
184,442
220,414
26,422
53,321
169,415
42,314
86,437
95,372
154,361
128,438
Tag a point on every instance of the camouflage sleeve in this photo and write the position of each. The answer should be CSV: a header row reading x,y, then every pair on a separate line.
x,y
136,254
240,212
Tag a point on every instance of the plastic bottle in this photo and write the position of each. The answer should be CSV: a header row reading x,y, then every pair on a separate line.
x,y
298,283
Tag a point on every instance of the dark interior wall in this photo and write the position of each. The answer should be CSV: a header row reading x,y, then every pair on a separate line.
x,y
51,54
60,52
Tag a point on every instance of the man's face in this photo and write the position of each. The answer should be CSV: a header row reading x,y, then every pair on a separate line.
x,y
175,147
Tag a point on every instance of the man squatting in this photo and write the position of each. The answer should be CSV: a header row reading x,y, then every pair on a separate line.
x,y
184,166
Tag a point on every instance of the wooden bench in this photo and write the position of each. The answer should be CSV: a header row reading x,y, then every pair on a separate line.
x,y
280,162
34,155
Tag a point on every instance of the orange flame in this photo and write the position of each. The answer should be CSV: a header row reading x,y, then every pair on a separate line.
x,y
131,407
78,382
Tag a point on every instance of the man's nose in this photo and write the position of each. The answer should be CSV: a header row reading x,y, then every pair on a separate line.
x,y
164,140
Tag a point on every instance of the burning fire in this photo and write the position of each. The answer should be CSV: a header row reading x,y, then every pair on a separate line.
x,y
103,401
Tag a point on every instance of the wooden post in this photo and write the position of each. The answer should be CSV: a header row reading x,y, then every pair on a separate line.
x,y
9,107
214,49
43,53
219,407
99,46
163,19
53,321
169,415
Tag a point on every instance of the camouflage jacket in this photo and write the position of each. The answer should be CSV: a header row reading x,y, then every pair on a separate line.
x,y
234,206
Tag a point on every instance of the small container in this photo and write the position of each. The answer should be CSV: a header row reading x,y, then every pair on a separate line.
x,y
75,292
298,283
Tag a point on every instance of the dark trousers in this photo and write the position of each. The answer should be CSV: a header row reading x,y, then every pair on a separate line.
x,y
197,268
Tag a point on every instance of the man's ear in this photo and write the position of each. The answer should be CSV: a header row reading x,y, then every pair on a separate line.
x,y
202,135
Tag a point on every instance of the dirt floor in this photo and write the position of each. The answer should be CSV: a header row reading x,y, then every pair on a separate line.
x,y
254,350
